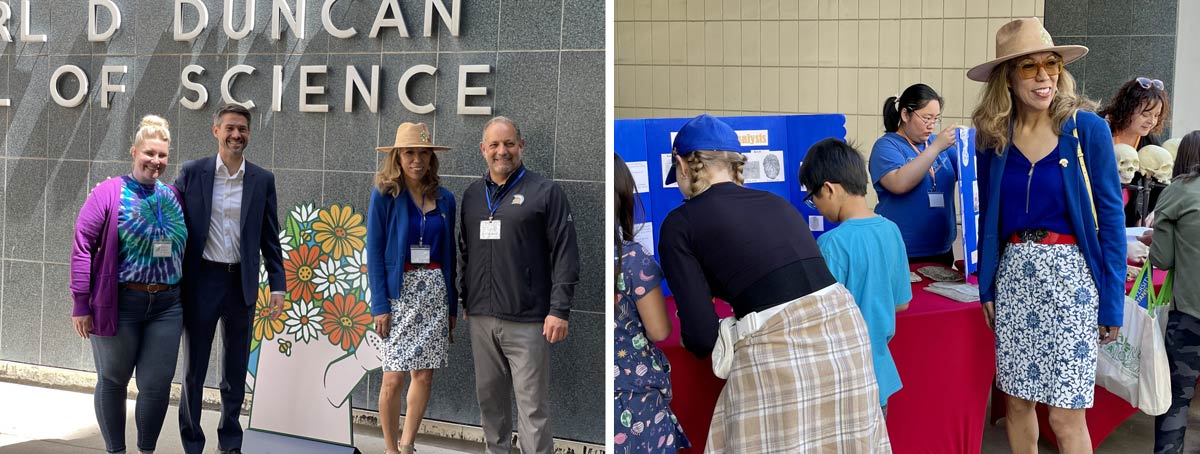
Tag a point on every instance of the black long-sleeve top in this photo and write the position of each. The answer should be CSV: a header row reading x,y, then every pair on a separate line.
x,y
750,248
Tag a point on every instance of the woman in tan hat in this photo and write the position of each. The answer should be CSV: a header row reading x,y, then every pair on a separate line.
x,y
1052,245
410,266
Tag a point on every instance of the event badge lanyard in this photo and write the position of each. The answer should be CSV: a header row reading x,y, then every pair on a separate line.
x,y
161,244
489,229
420,253
936,198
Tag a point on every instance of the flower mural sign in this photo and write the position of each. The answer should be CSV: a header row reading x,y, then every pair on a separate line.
x,y
305,362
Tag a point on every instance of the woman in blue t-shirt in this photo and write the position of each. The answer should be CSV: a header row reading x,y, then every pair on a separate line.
x,y
916,188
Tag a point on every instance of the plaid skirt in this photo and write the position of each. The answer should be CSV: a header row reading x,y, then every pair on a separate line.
x,y
802,383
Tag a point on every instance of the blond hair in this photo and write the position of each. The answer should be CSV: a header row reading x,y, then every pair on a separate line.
x,y
390,177
152,127
699,162
996,111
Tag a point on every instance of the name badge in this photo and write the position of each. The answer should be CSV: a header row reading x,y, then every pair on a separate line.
x,y
418,255
162,248
937,200
489,230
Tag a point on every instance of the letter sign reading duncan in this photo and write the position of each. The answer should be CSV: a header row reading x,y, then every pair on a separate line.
x,y
190,19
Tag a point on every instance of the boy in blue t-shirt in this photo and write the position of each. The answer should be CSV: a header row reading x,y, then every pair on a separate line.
x,y
865,253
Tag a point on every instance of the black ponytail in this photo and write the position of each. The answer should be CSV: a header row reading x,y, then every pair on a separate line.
x,y
915,97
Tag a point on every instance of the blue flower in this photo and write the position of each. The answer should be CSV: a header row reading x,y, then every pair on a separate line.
x,y
1032,372
1028,269
1032,320
1081,349
1081,296
1078,401
419,318
419,351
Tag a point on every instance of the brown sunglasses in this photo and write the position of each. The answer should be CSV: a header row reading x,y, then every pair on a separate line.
x,y
1028,69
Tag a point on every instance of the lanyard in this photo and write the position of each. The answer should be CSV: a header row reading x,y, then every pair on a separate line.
x,y
932,173
421,209
158,212
488,192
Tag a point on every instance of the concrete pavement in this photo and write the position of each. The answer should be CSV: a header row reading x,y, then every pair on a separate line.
x,y
51,421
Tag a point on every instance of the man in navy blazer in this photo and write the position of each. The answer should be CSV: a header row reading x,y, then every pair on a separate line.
x,y
230,211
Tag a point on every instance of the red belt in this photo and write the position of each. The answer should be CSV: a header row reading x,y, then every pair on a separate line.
x,y
1040,236
418,266
148,288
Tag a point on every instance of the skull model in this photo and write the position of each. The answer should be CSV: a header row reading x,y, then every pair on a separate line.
x,y
1127,161
1155,162
1172,147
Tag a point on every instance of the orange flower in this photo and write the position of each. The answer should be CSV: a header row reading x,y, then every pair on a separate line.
x,y
346,320
340,231
266,327
298,268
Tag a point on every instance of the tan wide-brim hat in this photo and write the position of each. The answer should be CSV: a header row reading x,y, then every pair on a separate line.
x,y
1022,37
412,135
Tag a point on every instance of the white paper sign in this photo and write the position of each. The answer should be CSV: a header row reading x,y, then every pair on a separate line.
x,y
641,175
763,166
816,223
644,235
666,170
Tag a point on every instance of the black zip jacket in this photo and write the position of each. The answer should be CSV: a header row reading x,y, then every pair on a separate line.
x,y
531,271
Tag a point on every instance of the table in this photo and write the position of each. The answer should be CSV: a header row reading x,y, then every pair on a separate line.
x,y
946,357
1107,413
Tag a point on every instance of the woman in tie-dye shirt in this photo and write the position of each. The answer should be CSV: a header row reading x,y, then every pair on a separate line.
x,y
125,266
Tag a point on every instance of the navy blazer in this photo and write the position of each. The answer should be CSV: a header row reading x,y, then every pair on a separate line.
x,y
1103,249
387,242
259,220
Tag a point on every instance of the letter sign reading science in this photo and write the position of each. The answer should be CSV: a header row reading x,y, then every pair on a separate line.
x,y
289,13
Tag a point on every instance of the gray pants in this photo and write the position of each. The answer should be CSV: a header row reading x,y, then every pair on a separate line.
x,y
512,355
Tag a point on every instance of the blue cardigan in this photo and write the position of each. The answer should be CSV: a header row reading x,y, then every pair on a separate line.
x,y
387,238
1104,251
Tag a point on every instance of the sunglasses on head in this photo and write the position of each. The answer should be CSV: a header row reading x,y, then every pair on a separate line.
x,y
1029,68
1147,83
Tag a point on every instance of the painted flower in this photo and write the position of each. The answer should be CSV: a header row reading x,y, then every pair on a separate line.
x,y
339,231
330,279
285,241
355,269
300,271
304,213
266,327
345,321
304,321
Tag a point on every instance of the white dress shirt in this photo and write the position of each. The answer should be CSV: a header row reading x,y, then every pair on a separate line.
x,y
224,243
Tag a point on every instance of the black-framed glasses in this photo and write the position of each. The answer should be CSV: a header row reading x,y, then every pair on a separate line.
x,y
1146,83
808,199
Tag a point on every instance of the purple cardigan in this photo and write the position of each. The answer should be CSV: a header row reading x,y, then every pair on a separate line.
x,y
96,255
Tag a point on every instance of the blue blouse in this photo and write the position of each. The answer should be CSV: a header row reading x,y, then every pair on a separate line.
x,y
1031,195
433,224
926,230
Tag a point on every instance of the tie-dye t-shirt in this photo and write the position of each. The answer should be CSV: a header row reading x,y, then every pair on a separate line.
x,y
138,226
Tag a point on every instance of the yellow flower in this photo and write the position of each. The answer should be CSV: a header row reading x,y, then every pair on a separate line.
x,y
340,231
266,327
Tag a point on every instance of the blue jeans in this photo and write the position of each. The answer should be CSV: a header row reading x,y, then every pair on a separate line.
x,y
147,339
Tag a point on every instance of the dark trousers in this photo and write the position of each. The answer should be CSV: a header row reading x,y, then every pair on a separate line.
x,y
216,295
147,340
1183,352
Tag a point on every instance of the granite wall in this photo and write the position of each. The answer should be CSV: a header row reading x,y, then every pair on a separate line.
x,y
547,72
1125,40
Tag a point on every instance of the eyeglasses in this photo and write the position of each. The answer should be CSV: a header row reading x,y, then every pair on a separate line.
x,y
1147,83
1029,69
808,199
929,120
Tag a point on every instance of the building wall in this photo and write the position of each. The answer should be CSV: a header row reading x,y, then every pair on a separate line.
x,y
1125,40
732,57
1186,116
547,60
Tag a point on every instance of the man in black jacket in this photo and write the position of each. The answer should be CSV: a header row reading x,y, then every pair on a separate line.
x,y
518,273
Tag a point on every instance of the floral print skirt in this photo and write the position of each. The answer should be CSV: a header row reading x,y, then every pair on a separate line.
x,y
420,324
1046,329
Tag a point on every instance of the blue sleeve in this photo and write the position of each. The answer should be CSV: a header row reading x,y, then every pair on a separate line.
x,y
902,284
886,156
641,272
376,258
835,256
987,256
1097,143
451,251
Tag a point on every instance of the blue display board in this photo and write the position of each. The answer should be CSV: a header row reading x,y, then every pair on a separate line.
x,y
964,145
774,145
